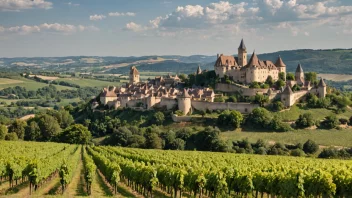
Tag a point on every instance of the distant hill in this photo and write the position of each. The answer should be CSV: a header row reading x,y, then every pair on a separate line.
x,y
335,61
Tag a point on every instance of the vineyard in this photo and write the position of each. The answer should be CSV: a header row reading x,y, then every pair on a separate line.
x,y
62,170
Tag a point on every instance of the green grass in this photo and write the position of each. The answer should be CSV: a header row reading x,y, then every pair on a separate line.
x,y
318,114
322,137
28,84
89,82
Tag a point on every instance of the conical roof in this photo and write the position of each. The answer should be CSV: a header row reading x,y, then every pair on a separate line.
x,y
199,71
288,90
299,68
254,59
185,94
242,45
280,63
134,71
321,83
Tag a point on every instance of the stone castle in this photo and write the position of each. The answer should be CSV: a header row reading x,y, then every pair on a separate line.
x,y
241,71
163,92
167,92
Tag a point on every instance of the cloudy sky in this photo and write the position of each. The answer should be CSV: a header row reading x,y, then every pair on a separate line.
x,y
181,27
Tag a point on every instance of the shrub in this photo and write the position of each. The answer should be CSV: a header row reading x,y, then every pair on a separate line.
x,y
310,147
330,122
278,106
11,137
328,153
305,120
279,126
259,117
298,153
230,118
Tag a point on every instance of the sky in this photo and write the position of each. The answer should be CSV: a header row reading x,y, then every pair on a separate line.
x,y
51,28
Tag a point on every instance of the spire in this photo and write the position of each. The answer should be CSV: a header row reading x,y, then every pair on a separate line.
x,y
254,59
185,94
134,71
199,71
321,83
242,45
279,62
299,69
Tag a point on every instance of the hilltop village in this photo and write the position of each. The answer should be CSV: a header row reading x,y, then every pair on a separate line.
x,y
167,92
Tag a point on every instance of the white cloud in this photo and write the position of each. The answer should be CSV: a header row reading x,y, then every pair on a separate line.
x,y
46,27
132,26
18,5
97,17
73,4
190,11
116,14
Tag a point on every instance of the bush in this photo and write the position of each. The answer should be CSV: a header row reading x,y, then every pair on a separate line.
x,y
310,147
230,118
305,120
278,106
328,153
298,153
330,122
11,137
259,118
279,126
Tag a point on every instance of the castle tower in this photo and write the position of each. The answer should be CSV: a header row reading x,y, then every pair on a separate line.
x,y
251,71
287,97
184,102
281,66
299,75
134,75
322,88
199,71
242,54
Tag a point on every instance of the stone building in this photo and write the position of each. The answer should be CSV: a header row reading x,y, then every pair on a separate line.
x,y
255,70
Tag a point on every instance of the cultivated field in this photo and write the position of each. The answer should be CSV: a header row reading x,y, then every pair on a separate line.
x,y
62,170
322,137
28,84
335,77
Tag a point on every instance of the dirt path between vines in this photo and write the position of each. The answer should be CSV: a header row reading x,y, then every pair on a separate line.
x,y
75,187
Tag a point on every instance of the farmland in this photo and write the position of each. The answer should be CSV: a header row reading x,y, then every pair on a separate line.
x,y
28,84
126,172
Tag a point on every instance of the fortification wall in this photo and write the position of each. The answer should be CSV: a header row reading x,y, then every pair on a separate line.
x,y
168,103
234,88
241,107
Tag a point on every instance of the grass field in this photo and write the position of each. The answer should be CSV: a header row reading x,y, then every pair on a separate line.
x,y
89,82
28,84
322,137
319,114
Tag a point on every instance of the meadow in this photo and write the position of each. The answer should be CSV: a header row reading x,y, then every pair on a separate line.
x,y
27,83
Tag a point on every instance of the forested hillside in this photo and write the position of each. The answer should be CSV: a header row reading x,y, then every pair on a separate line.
x,y
335,61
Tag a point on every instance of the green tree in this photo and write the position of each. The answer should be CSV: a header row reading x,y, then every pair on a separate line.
x,y
269,80
311,76
330,122
153,141
76,134
49,127
254,85
280,83
18,127
290,76
63,117
230,118
3,131
305,120
282,76
310,147
219,99
33,132
159,117
259,118
260,99
278,106
11,137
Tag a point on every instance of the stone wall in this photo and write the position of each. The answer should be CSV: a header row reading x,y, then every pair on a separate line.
x,y
227,88
241,107
169,103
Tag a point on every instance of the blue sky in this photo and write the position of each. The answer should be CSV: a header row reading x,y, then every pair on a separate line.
x,y
178,27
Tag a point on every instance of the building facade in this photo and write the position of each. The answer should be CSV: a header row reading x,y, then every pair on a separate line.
x,y
241,71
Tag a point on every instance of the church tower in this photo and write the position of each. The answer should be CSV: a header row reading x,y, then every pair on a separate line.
x,y
242,54
134,75
299,75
